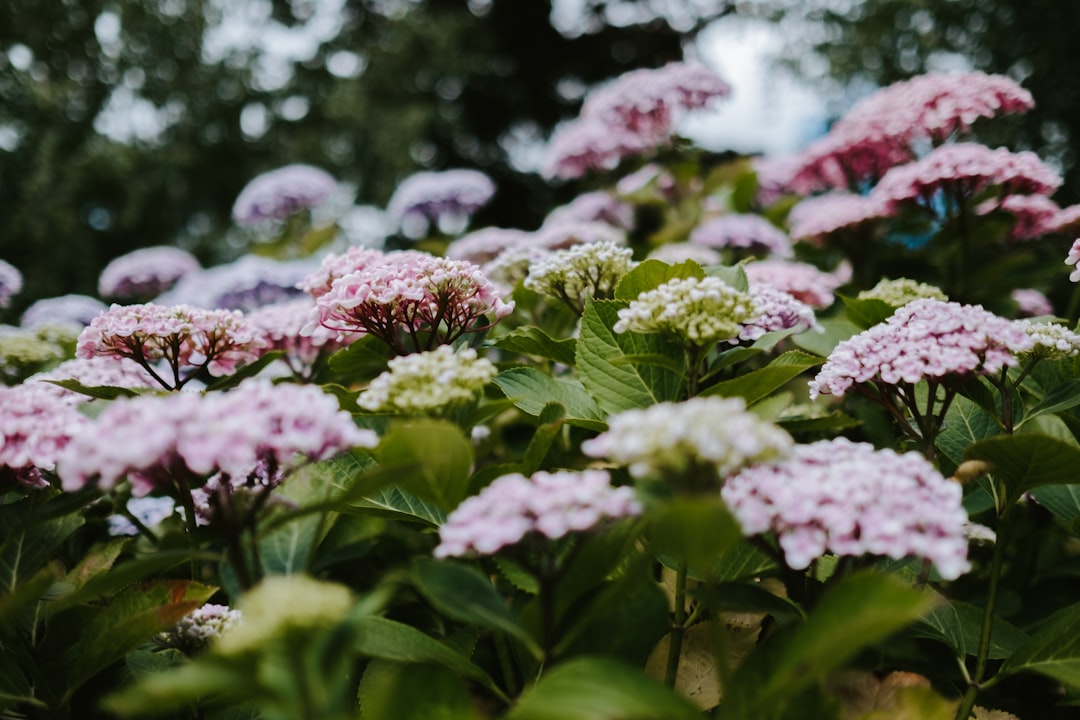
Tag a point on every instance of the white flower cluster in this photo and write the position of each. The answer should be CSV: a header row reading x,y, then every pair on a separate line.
x,y
902,291
1051,340
421,383
672,438
589,270
694,311
201,627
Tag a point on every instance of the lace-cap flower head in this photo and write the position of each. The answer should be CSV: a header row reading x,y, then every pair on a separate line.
x,y
849,499
445,199
673,439
11,282
145,273
279,327
751,233
923,339
484,245
596,206
277,194
580,272
425,382
696,312
551,504
244,284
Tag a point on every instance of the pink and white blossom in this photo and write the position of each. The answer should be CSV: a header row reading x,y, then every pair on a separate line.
x,y
277,194
803,281
752,233
145,273
818,217
35,427
445,199
11,282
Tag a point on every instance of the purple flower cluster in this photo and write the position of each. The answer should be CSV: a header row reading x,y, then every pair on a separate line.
x,y
923,339
186,338
244,284
552,504
777,310
963,170
11,282
635,113
35,427
68,310
277,194
817,217
445,199
145,273
190,437
596,206
849,499
802,281
483,246
413,304
746,232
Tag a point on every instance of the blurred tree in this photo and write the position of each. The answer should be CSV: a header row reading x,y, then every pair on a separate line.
x,y
881,41
127,123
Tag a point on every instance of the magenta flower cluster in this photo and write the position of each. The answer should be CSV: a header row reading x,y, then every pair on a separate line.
x,y
923,339
552,504
277,194
185,338
846,498
752,233
35,427
188,437
145,273
445,199
413,304
634,114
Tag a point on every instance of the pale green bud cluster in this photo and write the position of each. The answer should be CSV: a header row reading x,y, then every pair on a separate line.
x,y
1051,340
694,311
24,352
421,383
588,270
902,291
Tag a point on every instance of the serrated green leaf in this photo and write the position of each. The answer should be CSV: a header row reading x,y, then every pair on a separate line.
x,y
397,504
757,384
23,555
590,688
965,423
531,390
834,331
867,312
1064,502
1053,650
733,275
531,340
959,625
1024,462
1061,398
435,459
617,385
651,274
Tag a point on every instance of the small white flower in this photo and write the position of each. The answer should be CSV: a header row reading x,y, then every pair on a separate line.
x,y
422,383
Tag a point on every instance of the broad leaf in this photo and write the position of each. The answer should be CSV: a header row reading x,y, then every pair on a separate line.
x,y
866,313
757,384
958,625
531,390
435,459
1063,501
397,504
1061,398
551,424
1024,462
651,274
1053,650
397,691
733,275
823,343
965,423
531,340
101,392
244,372
366,357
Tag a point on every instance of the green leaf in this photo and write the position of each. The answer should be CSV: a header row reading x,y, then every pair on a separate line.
x,y
823,343
532,340
1064,502
697,530
615,383
182,685
733,275
465,594
740,561
857,612
27,552
397,504
101,392
1024,462
379,637
590,688
367,357
244,372
1053,650
435,459
395,691
965,423
552,419
531,390
755,385
867,312
959,625
98,559
651,274
752,597
287,549
1061,398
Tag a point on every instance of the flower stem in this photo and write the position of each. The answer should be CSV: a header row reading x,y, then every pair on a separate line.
x,y
678,628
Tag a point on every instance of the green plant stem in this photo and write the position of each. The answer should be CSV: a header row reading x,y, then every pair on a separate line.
x,y
502,650
190,521
968,701
694,357
678,628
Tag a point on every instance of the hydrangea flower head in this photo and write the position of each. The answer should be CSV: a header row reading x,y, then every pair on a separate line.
x,y
201,627
1033,215
279,327
1072,258
484,245
244,284
70,310
150,511
777,310
355,259
752,233
551,504
277,194
186,338
425,382
93,372
35,426
923,339
849,499
1031,303
818,217
445,199
673,439
1051,339
596,206
438,298
25,352
580,272
802,281
696,312
901,291
145,273
563,234
11,282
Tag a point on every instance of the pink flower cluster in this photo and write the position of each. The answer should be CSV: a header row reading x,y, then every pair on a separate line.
x,y
483,246
879,131
552,504
635,113
93,372
745,232
186,338
1072,258
923,339
277,194
191,437
413,304
802,281
963,170
1031,302
817,217
849,499
35,426
71,310
596,206
279,328
1033,215
244,284
145,273
11,282
777,310
445,199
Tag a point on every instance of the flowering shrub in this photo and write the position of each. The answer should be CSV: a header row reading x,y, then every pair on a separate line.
x,y
722,438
